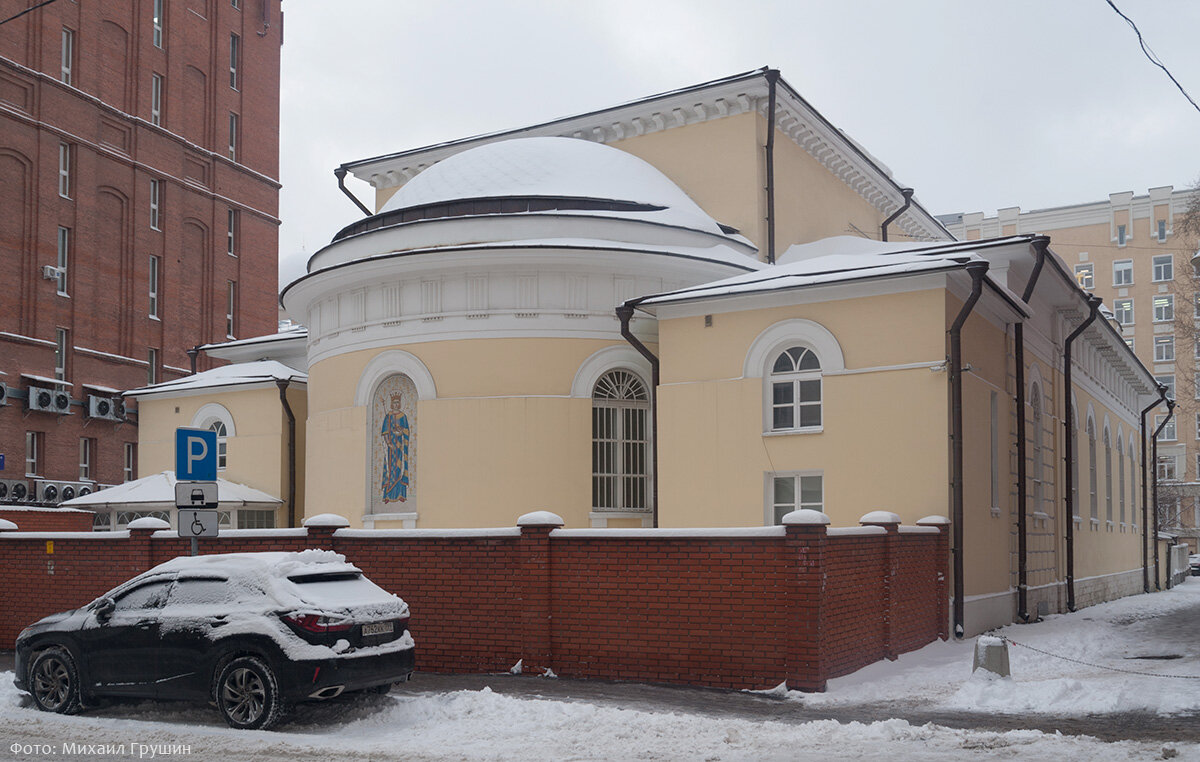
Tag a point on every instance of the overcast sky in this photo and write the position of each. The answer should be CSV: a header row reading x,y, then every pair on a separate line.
x,y
977,105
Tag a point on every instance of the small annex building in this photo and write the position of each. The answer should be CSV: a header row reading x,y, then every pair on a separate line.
x,y
706,308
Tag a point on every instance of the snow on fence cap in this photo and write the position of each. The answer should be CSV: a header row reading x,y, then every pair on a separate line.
x,y
327,520
879,517
7,526
804,516
149,522
540,519
934,520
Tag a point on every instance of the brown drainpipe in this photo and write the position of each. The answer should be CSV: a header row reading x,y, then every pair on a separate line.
x,y
1069,447
1040,245
340,174
1162,397
908,194
772,76
1154,490
282,383
624,314
976,270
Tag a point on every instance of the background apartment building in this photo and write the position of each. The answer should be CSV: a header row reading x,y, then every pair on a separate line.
x,y
139,153
1128,251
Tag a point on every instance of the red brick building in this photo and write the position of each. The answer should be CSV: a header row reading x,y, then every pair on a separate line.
x,y
139,151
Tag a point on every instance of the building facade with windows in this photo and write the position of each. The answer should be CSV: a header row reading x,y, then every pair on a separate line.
x,y
140,217
1127,250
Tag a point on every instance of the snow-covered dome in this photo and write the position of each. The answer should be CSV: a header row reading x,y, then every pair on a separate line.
x,y
595,177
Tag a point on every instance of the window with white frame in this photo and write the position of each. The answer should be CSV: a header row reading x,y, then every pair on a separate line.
x,y
155,204
1108,478
1164,308
235,57
233,136
1129,342
156,98
231,237
129,468
231,310
1164,267
60,353
1167,380
33,453
255,519
1123,311
1162,230
1123,272
86,448
1121,237
64,259
154,287
158,23
796,390
68,56
1168,431
1086,275
1166,471
620,443
1092,484
222,443
1164,348
795,490
64,170
152,366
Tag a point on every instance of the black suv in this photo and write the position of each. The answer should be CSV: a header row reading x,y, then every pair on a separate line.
x,y
253,632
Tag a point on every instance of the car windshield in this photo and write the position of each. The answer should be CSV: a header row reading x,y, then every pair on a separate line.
x,y
340,589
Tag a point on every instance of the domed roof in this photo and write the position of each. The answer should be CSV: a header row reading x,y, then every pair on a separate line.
x,y
553,167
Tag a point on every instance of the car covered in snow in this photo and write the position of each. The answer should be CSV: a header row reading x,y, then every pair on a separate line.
x,y
252,632
1194,564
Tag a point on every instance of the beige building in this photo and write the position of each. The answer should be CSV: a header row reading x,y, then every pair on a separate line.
x,y
1127,251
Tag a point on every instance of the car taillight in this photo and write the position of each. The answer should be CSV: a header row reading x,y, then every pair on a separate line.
x,y
317,623
402,624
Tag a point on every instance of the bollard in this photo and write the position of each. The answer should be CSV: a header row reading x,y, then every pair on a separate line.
x,y
991,655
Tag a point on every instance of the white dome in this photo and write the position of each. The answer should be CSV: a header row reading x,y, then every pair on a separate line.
x,y
551,167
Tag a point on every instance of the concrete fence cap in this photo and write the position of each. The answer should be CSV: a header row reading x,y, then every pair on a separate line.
x,y
7,526
879,517
540,519
149,522
327,520
933,521
804,516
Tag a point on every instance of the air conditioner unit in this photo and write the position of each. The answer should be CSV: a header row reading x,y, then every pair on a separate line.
x,y
20,491
3,393
13,490
50,272
62,403
41,399
70,490
104,407
48,492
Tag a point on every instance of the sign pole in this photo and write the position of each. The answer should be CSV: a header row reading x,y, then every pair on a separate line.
x,y
195,546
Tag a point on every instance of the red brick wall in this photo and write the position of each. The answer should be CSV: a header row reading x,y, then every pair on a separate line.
x,y
48,519
734,609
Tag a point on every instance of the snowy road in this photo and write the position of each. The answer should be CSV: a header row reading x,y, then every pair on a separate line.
x,y
416,724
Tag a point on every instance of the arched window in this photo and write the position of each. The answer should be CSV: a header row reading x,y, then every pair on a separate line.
x,y
1133,485
795,390
1036,471
1121,475
620,443
1108,478
222,434
1074,466
1091,435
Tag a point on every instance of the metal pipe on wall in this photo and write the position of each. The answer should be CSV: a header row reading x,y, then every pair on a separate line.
x,y
1069,446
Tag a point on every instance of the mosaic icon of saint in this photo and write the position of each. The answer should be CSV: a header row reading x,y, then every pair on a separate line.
x,y
395,433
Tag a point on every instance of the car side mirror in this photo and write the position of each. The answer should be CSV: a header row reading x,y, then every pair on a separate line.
x,y
104,609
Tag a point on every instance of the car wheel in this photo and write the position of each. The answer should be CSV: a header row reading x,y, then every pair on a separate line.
x,y
248,694
54,681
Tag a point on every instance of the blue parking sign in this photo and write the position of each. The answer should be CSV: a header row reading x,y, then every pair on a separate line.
x,y
195,455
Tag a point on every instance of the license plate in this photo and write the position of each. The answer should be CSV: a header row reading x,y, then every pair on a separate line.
x,y
377,628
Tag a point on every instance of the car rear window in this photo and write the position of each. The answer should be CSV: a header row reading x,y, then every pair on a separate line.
x,y
339,589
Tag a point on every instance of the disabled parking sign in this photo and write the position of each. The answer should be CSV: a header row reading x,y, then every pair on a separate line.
x,y
195,455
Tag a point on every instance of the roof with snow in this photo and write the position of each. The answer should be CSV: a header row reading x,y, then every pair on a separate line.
x,y
237,374
291,334
159,490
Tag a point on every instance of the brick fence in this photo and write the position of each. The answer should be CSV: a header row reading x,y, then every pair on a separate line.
x,y
733,608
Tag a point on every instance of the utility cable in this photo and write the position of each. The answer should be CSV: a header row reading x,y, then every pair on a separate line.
x,y
1150,54
27,10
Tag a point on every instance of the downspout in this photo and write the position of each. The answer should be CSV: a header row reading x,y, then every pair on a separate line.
x,y
340,173
976,270
908,194
1162,398
1069,447
624,314
192,354
1040,245
772,80
282,383
1154,490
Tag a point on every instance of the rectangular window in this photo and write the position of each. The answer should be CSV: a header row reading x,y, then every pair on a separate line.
x,y
86,447
1129,341
1162,230
1164,267
1164,348
231,238
233,135
1120,235
64,170
1164,308
235,53
1168,432
1167,380
64,258
792,492
152,367
236,4
1166,467
1123,311
129,472
155,204
33,452
158,23
68,55
60,353
156,94
1086,275
230,310
1123,272
154,287
247,519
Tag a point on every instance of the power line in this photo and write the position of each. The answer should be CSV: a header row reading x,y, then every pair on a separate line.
x,y
1150,54
27,10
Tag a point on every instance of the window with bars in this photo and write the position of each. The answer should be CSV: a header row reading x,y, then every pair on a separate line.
x,y
796,390
620,443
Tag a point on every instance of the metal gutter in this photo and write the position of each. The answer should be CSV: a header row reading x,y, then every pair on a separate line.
x,y
772,76
1094,303
340,174
282,383
1041,245
1154,489
1162,397
908,194
624,314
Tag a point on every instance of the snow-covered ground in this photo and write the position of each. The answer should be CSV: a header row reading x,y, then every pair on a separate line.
x,y
487,725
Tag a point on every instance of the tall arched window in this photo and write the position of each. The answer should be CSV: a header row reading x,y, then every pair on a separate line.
x,y
1133,485
1121,475
795,390
620,443
222,434
1091,435
1035,472
1108,480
